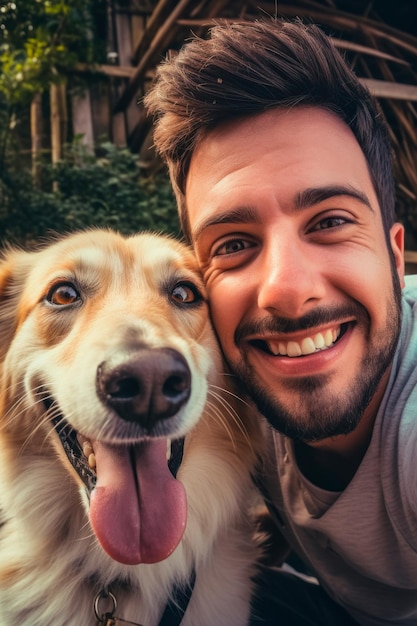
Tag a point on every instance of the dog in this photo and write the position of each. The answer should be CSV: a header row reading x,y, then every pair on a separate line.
x,y
126,455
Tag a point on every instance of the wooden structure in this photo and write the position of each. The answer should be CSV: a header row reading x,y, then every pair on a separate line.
x,y
381,47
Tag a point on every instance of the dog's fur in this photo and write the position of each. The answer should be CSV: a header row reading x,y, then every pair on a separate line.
x,y
73,316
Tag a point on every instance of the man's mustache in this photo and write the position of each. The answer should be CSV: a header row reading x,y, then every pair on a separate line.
x,y
274,325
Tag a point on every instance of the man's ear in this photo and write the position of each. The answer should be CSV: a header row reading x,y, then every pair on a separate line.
x,y
397,246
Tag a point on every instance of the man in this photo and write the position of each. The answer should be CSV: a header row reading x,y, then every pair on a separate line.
x,y
281,166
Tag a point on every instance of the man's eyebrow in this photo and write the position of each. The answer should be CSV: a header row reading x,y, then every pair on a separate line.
x,y
241,215
303,200
315,195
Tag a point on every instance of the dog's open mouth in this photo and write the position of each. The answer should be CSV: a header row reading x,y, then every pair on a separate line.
x,y
80,453
138,509
84,466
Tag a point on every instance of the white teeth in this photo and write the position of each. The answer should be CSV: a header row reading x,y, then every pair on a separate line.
x,y
277,348
282,348
320,341
293,349
308,346
89,453
87,448
328,337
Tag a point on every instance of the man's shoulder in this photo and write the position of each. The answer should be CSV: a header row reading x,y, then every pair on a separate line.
x,y
410,285
409,304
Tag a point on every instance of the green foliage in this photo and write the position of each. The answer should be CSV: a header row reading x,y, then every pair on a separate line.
x,y
40,40
108,191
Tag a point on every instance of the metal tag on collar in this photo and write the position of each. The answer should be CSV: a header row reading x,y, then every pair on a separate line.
x,y
117,621
108,618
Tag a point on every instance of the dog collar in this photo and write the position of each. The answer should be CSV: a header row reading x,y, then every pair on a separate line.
x,y
177,606
172,616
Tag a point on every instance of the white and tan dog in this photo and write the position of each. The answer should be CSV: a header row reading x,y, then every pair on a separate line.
x,y
107,359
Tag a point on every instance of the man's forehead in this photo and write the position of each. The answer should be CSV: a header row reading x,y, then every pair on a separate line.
x,y
263,153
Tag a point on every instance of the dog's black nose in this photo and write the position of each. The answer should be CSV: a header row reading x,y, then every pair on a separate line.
x,y
147,386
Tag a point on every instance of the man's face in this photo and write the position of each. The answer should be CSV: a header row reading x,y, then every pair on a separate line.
x,y
304,298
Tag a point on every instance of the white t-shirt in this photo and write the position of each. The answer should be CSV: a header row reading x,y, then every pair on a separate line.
x,y
361,543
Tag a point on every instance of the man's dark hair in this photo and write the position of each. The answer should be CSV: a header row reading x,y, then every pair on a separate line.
x,y
247,68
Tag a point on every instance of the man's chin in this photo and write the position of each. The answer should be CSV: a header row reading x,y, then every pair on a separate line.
x,y
313,421
312,408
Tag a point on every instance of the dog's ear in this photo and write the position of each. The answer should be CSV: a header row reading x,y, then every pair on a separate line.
x,y
14,268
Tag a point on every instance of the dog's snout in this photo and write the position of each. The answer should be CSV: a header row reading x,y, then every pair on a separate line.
x,y
147,386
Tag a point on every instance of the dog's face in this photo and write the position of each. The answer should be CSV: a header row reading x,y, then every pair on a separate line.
x,y
106,341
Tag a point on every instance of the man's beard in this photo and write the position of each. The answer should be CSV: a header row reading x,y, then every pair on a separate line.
x,y
320,413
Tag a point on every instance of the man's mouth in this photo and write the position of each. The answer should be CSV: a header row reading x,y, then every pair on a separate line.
x,y
310,344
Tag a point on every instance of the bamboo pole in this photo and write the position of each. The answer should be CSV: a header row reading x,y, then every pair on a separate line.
x,y
36,136
55,123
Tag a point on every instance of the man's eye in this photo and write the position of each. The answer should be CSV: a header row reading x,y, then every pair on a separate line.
x,y
63,295
185,293
232,246
330,222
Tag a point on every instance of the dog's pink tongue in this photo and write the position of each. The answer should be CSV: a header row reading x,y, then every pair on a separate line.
x,y
138,509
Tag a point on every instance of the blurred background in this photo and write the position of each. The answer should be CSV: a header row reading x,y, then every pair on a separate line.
x,y
75,143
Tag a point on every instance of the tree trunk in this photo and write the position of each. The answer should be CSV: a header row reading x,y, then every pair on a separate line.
x,y
59,120
82,121
55,124
36,136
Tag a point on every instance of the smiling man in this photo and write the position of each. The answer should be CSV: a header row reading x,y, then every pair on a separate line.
x,y
281,167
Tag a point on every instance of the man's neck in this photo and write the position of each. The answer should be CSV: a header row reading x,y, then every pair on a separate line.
x,y
331,463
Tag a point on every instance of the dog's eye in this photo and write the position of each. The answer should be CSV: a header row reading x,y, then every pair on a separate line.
x,y
63,295
185,293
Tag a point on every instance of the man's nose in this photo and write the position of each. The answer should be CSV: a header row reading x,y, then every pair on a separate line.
x,y
291,279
